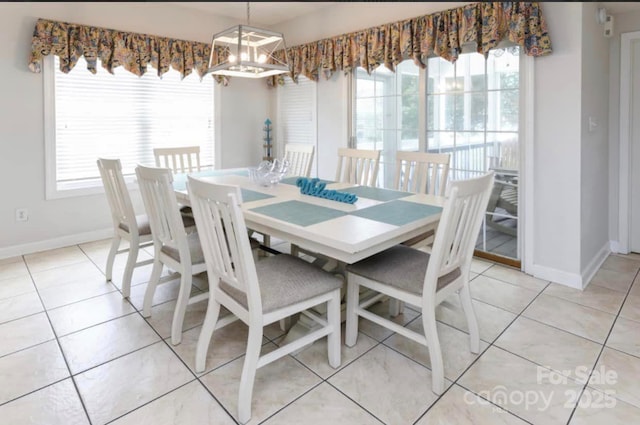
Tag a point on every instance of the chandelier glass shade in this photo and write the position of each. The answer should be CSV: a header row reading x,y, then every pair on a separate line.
x,y
246,51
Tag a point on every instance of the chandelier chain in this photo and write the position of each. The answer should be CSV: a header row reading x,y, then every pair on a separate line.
x,y
248,14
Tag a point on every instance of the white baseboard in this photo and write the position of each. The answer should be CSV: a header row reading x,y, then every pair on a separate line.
x,y
572,280
595,264
61,242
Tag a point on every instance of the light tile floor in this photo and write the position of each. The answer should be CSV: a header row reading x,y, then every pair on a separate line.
x,y
72,351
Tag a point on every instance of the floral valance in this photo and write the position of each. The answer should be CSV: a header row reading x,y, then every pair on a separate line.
x,y
483,25
115,48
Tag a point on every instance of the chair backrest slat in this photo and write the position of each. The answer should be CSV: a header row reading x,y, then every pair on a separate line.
x,y
300,157
224,239
358,166
122,211
422,172
159,198
179,160
458,229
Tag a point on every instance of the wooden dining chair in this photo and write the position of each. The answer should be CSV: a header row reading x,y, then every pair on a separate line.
x,y
258,293
300,157
179,159
422,172
184,159
127,225
424,280
173,246
358,166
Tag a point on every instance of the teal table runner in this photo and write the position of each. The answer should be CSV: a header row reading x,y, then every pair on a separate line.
x,y
397,212
180,180
252,195
376,193
299,213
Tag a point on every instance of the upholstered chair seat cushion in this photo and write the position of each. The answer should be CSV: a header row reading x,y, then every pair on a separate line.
x,y
402,267
286,280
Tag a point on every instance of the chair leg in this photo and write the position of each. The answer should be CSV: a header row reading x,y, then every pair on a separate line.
x,y
472,321
254,344
151,288
181,307
115,244
266,241
132,259
285,324
353,298
209,325
435,353
396,307
333,339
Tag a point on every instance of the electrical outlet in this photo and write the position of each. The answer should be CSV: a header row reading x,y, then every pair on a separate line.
x,y
22,214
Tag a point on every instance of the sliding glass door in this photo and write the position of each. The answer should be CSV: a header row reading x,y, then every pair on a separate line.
x,y
469,110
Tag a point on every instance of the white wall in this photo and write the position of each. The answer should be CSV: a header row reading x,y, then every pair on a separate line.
x,y
244,105
557,145
594,165
346,17
65,221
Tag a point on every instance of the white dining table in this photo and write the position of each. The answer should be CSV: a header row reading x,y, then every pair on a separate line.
x,y
379,219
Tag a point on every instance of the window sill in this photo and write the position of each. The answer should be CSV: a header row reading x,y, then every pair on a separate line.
x,y
75,189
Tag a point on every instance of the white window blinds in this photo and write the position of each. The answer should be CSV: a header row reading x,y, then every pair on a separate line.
x,y
297,112
124,116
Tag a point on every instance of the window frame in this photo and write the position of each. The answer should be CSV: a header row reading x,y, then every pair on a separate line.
x,y
397,119
90,186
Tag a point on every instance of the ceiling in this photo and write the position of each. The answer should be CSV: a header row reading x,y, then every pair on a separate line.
x,y
274,13
262,13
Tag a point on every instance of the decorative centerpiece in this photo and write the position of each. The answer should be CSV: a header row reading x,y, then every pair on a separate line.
x,y
269,173
267,140
315,187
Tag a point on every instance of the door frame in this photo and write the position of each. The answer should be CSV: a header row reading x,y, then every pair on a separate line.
x,y
624,206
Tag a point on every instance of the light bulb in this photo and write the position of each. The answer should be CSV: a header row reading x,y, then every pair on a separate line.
x,y
232,58
262,58
244,56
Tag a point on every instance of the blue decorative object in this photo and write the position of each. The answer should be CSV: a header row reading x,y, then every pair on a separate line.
x,y
267,140
314,187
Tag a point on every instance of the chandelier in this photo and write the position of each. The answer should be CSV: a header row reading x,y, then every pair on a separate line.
x,y
247,51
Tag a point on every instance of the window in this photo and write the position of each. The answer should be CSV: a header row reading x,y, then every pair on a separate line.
x,y
469,109
297,113
120,116
386,113
473,111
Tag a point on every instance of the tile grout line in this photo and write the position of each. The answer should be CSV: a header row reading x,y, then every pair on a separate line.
x,y
149,402
323,380
55,334
455,382
164,340
326,380
613,324
135,311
